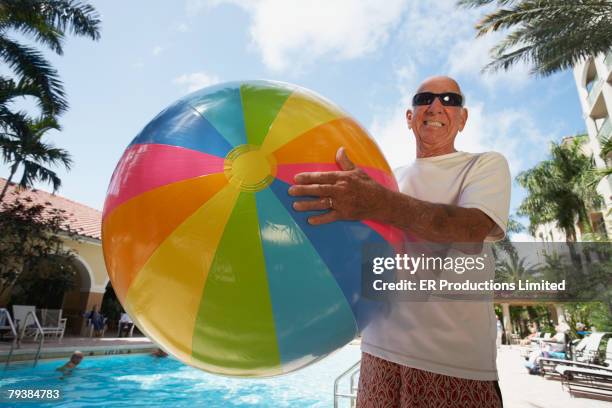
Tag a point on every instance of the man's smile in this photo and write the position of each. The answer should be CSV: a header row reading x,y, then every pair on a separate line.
x,y
433,123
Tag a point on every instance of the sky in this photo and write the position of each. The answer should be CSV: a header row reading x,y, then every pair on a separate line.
x,y
367,56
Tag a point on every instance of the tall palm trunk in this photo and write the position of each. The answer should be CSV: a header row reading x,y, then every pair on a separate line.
x,y
10,178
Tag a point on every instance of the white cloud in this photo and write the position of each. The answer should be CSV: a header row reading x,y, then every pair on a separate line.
x,y
197,80
407,80
453,48
470,55
193,7
157,50
183,28
292,33
393,137
390,130
511,132
430,29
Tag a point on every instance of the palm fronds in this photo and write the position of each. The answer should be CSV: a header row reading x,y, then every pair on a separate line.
x,y
560,190
551,35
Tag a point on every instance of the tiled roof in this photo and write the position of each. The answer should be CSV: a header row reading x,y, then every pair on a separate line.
x,y
86,221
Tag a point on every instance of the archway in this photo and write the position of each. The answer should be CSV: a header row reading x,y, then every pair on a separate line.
x,y
78,299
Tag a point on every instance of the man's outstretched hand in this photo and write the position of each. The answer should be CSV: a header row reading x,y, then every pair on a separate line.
x,y
348,194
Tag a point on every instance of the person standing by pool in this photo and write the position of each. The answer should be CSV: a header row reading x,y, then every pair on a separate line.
x,y
427,353
97,320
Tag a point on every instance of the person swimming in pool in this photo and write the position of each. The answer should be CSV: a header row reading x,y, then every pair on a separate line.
x,y
159,353
75,360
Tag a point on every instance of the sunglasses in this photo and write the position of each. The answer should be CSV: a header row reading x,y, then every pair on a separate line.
x,y
446,98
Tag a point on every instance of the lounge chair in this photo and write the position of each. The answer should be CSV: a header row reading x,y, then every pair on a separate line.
x,y
125,320
6,324
587,380
52,323
29,325
586,355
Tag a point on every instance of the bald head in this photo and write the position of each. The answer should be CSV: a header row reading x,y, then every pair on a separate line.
x,y
435,83
76,357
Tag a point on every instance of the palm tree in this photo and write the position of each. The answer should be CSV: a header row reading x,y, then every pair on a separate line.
x,y
47,22
606,149
553,35
561,190
26,149
512,269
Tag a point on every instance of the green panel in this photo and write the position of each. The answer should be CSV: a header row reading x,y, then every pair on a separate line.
x,y
234,328
260,104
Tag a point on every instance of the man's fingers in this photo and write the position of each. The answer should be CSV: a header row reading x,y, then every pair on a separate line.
x,y
316,177
343,160
314,190
312,205
326,218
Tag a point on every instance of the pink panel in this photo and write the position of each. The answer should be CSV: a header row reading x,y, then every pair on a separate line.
x,y
144,167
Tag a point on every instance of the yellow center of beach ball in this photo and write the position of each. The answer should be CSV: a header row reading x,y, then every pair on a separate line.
x,y
248,168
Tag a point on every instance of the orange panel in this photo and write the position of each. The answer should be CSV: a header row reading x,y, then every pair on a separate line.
x,y
320,144
135,229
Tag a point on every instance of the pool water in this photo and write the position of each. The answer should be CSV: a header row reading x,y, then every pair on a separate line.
x,y
146,381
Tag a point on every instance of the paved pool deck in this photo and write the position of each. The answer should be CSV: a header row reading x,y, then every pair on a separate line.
x,y
522,390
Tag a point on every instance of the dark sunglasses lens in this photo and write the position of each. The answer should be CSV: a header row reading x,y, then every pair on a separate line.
x,y
447,99
451,99
424,98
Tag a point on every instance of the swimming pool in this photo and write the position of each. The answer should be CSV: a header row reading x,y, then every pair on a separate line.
x,y
146,381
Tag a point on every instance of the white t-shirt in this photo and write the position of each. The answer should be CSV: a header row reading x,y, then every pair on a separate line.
x,y
450,338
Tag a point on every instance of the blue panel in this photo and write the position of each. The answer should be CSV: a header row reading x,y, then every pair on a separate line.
x,y
340,246
221,105
180,125
311,315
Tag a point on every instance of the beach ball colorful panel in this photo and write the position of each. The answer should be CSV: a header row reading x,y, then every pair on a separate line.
x,y
203,247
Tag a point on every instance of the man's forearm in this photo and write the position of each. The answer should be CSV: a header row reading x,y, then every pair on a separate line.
x,y
433,222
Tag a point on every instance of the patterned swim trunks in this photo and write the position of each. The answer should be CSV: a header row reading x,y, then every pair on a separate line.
x,y
383,384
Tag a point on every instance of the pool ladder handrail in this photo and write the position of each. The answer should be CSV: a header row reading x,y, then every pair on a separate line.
x,y
9,319
38,328
352,373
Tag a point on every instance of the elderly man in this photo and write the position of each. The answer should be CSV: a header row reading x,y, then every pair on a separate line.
x,y
428,353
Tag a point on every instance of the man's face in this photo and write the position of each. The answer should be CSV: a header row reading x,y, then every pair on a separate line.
x,y
436,126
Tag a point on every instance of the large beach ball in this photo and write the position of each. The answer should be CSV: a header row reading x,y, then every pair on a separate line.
x,y
203,247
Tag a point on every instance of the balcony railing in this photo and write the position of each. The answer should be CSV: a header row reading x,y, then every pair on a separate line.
x,y
594,91
605,131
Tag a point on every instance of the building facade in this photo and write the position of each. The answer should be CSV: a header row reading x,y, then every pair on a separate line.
x,y
593,79
92,279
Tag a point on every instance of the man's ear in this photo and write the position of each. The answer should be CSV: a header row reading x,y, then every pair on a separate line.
x,y
464,118
409,118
